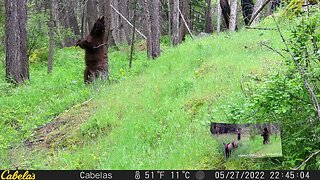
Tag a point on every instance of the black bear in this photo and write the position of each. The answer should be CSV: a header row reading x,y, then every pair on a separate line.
x,y
93,45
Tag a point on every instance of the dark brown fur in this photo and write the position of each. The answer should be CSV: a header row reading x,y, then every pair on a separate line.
x,y
94,57
265,136
227,148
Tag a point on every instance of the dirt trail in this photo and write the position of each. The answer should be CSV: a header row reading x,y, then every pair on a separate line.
x,y
62,131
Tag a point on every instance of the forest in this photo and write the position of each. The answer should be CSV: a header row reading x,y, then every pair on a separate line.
x,y
137,84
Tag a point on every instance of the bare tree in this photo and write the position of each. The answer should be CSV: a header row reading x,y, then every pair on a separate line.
x,y
233,15
51,44
175,23
17,63
208,18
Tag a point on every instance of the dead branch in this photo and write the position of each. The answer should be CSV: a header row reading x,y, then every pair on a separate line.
x,y
185,23
271,29
272,49
128,21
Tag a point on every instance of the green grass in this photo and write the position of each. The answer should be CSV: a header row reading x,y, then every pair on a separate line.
x,y
26,107
157,119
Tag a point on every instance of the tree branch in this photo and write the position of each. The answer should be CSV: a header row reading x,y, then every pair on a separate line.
x,y
271,48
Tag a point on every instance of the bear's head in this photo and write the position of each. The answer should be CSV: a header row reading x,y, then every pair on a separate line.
x,y
98,27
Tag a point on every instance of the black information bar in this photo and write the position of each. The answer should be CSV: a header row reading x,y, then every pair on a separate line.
x,y
157,174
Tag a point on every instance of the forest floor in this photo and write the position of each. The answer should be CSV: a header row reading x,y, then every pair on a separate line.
x,y
155,116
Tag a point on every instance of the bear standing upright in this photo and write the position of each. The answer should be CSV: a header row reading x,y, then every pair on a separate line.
x,y
93,45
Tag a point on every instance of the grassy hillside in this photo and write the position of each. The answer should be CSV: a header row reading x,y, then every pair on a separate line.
x,y
157,119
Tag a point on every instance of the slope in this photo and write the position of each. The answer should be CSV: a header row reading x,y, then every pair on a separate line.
x,y
160,119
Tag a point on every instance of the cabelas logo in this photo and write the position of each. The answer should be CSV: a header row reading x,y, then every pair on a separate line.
x,y
16,175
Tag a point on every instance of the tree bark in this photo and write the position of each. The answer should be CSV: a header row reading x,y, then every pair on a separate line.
x,y
23,18
132,39
185,10
175,23
169,19
208,18
219,11
92,13
148,28
155,27
225,7
125,28
51,44
257,6
106,11
233,15
83,18
72,16
17,63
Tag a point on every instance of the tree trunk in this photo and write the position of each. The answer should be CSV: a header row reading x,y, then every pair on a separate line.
x,y
269,9
17,63
23,18
218,16
185,10
132,39
256,8
225,7
247,10
106,11
51,45
233,15
125,28
148,26
208,18
72,17
169,19
82,18
155,27
175,23
92,13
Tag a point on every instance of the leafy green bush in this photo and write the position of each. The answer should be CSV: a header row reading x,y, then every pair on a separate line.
x,y
282,96
39,55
